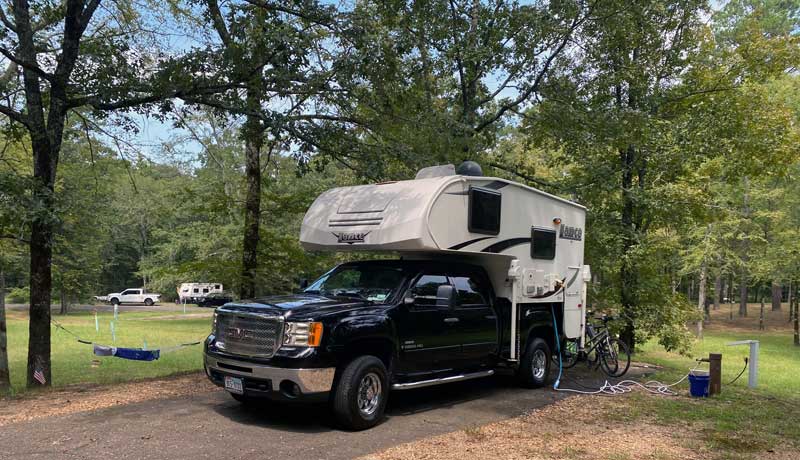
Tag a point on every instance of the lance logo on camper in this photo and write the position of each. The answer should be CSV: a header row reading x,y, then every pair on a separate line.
x,y
570,233
350,238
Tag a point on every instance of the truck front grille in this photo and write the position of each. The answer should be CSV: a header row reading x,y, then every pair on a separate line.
x,y
248,334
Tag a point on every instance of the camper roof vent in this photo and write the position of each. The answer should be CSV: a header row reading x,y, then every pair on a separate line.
x,y
469,168
436,171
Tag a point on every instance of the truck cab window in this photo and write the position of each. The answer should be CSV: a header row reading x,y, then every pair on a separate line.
x,y
468,292
424,290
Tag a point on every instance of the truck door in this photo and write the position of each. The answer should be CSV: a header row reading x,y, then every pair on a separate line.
x,y
129,296
477,322
426,342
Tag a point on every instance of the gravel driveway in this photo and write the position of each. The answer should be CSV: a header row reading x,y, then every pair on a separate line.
x,y
209,424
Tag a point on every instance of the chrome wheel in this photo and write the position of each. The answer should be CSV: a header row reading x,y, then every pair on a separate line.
x,y
539,366
369,394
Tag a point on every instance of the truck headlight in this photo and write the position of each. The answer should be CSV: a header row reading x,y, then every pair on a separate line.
x,y
305,334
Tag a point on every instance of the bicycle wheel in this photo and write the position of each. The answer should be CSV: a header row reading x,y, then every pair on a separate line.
x,y
615,358
569,354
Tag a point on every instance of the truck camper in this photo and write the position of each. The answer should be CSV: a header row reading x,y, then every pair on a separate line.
x,y
489,274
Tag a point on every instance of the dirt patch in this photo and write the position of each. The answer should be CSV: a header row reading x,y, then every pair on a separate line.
x,y
88,398
583,427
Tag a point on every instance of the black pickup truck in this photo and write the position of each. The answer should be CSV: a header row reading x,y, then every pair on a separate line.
x,y
364,328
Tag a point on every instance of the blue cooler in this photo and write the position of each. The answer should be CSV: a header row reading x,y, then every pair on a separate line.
x,y
698,384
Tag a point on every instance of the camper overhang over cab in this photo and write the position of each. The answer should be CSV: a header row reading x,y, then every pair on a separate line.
x,y
530,242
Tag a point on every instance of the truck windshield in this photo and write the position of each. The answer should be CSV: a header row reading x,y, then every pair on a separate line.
x,y
367,282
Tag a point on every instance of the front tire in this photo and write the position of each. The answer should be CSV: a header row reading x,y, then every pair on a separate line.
x,y
114,301
360,396
534,370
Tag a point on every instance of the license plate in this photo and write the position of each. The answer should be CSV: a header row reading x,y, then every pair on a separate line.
x,y
234,385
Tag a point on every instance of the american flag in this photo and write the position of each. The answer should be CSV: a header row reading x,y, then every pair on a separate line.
x,y
39,376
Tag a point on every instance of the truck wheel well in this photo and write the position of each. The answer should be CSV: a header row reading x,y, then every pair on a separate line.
x,y
543,332
379,348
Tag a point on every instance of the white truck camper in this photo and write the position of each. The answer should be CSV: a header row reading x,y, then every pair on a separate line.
x,y
530,243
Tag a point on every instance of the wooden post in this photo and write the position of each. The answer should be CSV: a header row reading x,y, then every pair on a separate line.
x,y
715,373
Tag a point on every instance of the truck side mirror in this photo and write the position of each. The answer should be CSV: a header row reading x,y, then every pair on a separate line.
x,y
303,283
444,296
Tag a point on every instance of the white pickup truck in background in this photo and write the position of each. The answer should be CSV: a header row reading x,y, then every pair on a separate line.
x,y
132,296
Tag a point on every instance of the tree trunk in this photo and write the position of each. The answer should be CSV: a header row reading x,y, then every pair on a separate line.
x,y
743,293
5,376
777,295
718,290
761,314
730,296
63,299
254,141
796,318
701,299
790,298
627,273
41,253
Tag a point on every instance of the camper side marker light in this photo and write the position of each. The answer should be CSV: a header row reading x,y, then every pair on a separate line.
x,y
557,220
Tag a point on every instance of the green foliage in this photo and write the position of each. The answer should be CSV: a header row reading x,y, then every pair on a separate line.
x,y
18,295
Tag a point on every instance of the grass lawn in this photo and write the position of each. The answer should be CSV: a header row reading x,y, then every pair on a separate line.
x,y
74,362
740,422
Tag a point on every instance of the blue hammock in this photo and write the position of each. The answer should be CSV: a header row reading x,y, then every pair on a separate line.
x,y
134,354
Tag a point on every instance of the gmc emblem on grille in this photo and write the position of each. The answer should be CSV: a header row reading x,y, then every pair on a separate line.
x,y
350,238
236,333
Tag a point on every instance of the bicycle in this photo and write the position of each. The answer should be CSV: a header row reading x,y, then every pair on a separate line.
x,y
600,350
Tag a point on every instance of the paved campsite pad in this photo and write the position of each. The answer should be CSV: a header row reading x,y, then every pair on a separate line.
x,y
195,420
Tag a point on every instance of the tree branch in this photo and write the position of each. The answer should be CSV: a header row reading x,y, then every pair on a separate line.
x,y
539,77
14,115
26,65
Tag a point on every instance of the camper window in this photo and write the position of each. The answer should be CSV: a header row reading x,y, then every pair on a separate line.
x,y
543,243
484,211
424,290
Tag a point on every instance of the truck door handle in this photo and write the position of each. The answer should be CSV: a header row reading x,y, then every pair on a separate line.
x,y
451,320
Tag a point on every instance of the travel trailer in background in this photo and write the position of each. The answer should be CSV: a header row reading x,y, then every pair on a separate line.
x,y
192,292
489,275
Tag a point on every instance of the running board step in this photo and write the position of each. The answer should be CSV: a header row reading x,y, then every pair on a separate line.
x,y
451,379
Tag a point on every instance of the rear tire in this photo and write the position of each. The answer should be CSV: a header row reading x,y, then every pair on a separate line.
x,y
361,392
617,359
148,302
534,370
569,354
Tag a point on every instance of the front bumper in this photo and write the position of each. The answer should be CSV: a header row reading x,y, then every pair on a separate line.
x,y
268,381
